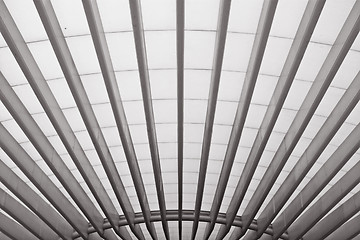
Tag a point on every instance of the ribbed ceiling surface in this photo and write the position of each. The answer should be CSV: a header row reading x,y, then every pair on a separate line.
x,y
164,119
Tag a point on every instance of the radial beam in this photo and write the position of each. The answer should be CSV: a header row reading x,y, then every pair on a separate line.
x,y
337,160
103,54
335,219
296,53
31,169
34,202
222,25
322,81
71,74
347,231
261,37
25,217
140,47
36,80
180,35
14,230
319,209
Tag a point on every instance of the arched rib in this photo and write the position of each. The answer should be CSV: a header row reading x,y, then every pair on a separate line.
x,y
296,53
222,25
25,217
319,209
27,165
13,230
34,202
322,81
180,32
140,47
335,219
103,54
347,231
257,53
338,159
71,74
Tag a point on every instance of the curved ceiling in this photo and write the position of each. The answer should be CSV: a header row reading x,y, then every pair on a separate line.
x,y
179,119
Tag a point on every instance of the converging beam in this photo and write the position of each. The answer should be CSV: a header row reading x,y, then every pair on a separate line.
x,y
335,219
140,47
103,54
347,231
180,32
71,74
319,209
222,25
257,53
25,217
296,53
34,202
14,230
337,160
322,81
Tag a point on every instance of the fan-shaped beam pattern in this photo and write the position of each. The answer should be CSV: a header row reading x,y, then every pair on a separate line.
x,y
14,230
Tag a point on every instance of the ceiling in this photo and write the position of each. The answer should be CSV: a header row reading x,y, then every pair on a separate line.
x,y
208,119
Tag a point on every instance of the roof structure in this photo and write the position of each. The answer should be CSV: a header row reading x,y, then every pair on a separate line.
x,y
174,119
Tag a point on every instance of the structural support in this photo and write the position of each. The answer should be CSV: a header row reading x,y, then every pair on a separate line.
x,y
222,25
296,53
71,74
34,202
328,70
13,230
140,47
103,54
335,219
180,35
337,160
347,231
257,53
25,217
324,204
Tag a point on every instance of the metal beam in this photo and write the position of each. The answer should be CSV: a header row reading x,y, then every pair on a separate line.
x,y
13,230
4,237
53,29
140,47
34,202
323,79
319,209
296,53
32,170
35,78
25,217
222,25
103,54
257,53
337,160
180,35
347,231
335,219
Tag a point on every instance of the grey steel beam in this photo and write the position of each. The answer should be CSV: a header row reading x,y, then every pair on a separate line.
x,y
25,217
180,36
36,80
322,81
27,164
103,54
337,160
53,29
34,202
319,209
335,219
347,231
296,53
13,230
222,25
4,237
140,47
257,53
